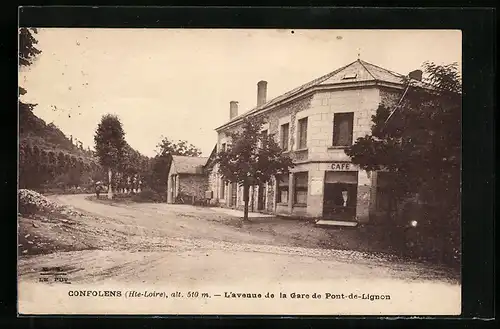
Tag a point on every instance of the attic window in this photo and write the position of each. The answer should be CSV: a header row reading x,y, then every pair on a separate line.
x,y
349,76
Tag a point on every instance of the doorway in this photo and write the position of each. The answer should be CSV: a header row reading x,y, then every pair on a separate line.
x,y
261,197
234,194
340,196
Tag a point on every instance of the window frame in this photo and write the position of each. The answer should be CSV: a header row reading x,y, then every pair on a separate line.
x,y
284,187
335,137
297,188
301,136
282,136
263,134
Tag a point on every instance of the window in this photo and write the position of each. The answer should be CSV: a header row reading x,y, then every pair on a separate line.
x,y
223,147
349,76
302,133
301,188
285,136
263,136
282,190
342,129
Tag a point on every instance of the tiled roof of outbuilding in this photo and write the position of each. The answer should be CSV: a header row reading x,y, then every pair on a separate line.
x,y
188,165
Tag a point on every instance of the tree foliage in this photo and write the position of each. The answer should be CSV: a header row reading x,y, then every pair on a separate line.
x,y
27,46
27,53
181,147
110,144
252,158
160,164
42,167
419,141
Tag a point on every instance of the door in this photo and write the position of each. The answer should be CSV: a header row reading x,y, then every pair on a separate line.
x,y
340,201
261,201
234,193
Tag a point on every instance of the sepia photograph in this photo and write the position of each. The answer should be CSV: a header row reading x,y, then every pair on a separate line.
x,y
239,171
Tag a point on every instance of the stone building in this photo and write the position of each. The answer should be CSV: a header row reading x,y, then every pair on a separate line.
x,y
315,123
187,179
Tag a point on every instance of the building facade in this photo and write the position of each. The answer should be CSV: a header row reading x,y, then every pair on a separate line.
x,y
314,123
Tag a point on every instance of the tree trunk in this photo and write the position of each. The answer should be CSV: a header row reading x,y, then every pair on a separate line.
x,y
252,201
110,189
246,189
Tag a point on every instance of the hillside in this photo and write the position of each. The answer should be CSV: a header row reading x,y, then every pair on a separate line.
x,y
36,131
47,157
49,160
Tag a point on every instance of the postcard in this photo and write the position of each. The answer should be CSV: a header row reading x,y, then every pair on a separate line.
x,y
239,172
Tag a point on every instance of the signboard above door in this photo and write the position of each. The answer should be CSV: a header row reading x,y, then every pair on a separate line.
x,y
343,166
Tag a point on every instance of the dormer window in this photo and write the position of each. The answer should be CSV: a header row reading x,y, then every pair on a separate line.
x,y
349,76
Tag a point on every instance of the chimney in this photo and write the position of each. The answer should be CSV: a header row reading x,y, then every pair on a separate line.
x,y
416,75
261,92
233,109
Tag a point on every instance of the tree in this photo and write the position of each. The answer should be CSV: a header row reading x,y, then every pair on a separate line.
x,y
27,46
27,53
180,147
110,146
133,164
419,141
252,158
160,164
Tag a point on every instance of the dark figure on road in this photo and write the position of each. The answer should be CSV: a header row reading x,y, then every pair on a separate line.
x,y
97,189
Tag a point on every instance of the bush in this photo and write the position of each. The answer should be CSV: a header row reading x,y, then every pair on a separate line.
x,y
148,195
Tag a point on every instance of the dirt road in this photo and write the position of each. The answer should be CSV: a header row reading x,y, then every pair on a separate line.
x,y
159,244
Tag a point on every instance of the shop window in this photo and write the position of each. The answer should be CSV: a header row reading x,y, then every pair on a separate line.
x,y
342,129
302,133
285,136
301,183
282,190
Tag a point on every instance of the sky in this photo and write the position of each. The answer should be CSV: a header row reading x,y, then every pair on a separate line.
x,y
178,83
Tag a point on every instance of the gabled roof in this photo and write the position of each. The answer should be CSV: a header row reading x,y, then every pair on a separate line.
x,y
361,71
358,71
211,159
188,165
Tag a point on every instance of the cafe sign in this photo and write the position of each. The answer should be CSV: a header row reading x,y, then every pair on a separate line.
x,y
343,166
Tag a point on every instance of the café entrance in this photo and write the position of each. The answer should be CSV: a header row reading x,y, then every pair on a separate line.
x,y
340,195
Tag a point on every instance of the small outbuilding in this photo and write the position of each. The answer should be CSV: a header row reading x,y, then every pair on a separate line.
x,y
187,181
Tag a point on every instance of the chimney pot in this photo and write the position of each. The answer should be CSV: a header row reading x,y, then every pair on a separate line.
x,y
261,92
416,75
233,109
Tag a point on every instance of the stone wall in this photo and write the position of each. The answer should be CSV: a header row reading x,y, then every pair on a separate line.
x,y
193,185
363,102
389,97
213,184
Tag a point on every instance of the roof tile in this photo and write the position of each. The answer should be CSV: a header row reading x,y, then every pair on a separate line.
x,y
188,164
